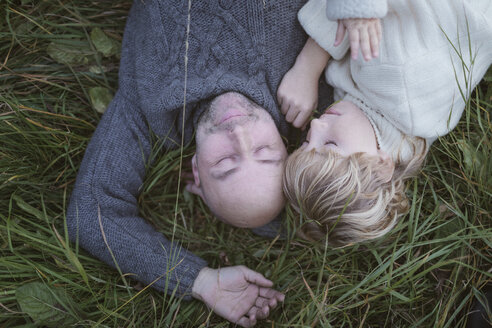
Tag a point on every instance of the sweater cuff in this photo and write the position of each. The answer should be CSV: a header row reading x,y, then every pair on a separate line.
x,y
320,29
340,9
183,274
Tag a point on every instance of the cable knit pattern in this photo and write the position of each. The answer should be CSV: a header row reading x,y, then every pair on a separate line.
x,y
415,86
244,47
340,9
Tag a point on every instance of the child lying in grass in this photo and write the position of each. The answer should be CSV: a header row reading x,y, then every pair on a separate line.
x,y
348,178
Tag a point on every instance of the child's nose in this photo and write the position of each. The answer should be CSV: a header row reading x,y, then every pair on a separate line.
x,y
316,140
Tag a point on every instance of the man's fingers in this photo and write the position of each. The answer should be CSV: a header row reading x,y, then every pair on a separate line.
x,y
246,322
354,43
256,278
340,33
271,294
259,313
263,312
253,313
262,302
263,309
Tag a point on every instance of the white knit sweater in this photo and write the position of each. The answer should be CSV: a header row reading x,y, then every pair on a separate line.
x,y
418,84
338,9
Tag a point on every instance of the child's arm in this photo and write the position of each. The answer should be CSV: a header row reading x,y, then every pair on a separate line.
x,y
298,91
362,32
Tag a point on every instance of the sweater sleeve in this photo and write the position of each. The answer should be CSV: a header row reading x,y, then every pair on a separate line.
x,y
323,31
103,213
340,9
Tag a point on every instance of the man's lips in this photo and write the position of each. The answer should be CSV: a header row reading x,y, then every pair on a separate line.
x,y
231,114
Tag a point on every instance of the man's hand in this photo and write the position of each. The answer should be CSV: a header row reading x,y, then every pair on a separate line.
x,y
298,95
364,33
237,294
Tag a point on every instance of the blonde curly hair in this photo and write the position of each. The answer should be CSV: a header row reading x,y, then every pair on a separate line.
x,y
348,199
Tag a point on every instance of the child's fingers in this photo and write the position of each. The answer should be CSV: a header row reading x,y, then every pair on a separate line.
x,y
301,119
291,114
340,33
354,43
374,39
379,29
284,107
365,44
280,99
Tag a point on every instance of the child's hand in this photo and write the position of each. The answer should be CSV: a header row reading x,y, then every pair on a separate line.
x,y
298,96
363,32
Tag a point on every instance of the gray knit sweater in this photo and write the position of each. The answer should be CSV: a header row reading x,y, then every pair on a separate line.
x,y
243,46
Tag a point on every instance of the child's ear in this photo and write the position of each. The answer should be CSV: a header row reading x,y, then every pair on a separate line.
x,y
194,187
387,166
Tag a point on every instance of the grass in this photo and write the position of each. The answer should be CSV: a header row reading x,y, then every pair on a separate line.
x,y
426,273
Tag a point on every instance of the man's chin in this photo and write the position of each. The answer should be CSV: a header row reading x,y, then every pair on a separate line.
x,y
247,222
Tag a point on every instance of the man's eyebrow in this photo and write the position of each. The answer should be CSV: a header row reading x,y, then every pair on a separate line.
x,y
224,175
272,161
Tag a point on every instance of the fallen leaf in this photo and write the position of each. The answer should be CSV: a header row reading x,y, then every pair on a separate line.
x,y
65,54
104,44
47,306
100,98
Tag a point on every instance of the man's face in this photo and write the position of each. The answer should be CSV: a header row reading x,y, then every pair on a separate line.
x,y
239,162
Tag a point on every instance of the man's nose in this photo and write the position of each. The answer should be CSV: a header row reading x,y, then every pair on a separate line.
x,y
316,138
242,138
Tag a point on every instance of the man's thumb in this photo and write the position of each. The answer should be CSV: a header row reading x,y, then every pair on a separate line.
x,y
256,278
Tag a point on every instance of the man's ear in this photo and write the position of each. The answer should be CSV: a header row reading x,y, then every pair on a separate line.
x,y
194,187
387,166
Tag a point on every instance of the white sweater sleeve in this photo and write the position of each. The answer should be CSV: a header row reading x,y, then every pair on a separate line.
x,y
340,9
313,19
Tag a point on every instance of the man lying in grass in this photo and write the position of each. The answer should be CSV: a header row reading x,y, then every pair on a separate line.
x,y
230,60
348,178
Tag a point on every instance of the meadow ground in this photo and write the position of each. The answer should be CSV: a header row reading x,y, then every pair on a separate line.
x,y
58,67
